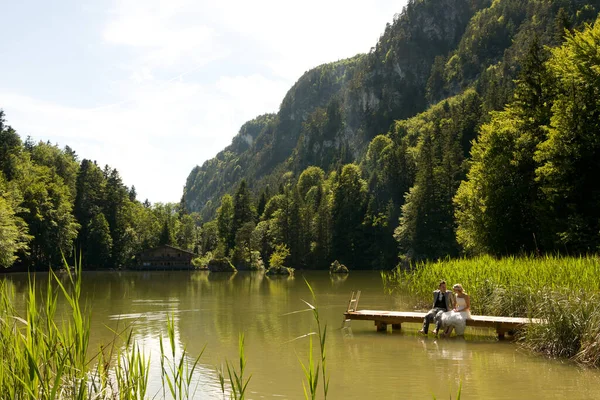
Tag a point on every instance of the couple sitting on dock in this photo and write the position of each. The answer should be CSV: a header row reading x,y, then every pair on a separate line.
x,y
450,310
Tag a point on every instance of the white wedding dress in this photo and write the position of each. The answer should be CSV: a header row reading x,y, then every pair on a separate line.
x,y
457,319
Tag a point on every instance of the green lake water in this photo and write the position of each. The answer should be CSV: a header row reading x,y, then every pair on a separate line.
x,y
212,309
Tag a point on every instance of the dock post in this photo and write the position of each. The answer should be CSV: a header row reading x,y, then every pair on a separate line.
x,y
396,327
381,326
501,333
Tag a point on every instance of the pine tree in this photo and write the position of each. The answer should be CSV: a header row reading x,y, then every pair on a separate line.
x,y
165,237
498,206
570,156
348,210
225,223
242,208
14,235
99,244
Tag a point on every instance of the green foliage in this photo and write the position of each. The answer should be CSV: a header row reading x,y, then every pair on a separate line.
x,y
507,286
209,237
14,237
533,162
496,207
241,256
310,178
11,149
569,157
348,210
99,241
186,236
47,211
278,257
242,208
225,222
328,117
571,329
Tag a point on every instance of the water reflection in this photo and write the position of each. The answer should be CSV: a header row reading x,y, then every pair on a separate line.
x,y
211,310
337,279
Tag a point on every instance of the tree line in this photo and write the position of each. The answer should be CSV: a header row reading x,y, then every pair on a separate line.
x,y
53,205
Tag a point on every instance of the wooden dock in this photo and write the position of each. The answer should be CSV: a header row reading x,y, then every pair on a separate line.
x,y
502,325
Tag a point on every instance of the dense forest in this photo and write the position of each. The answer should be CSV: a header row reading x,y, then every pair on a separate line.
x,y
54,205
471,127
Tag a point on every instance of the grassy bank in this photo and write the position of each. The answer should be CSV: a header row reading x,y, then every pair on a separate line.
x,y
561,290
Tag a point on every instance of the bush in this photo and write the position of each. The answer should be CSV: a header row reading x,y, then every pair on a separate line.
x,y
277,260
279,255
256,261
202,262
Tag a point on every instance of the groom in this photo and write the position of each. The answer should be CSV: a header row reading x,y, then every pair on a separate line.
x,y
442,302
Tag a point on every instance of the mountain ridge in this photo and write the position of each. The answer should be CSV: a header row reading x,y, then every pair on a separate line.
x,y
335,109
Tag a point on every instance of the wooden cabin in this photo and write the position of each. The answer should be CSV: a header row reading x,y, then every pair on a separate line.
x,y
165,257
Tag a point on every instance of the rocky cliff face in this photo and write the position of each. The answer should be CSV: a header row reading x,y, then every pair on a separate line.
x,y
433,49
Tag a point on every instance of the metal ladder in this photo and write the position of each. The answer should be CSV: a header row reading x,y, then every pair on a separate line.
x,y
352,306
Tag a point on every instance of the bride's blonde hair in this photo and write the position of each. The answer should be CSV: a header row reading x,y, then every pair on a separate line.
x,y
459,287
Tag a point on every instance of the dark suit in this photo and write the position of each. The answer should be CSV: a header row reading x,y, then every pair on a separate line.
x,y
436,312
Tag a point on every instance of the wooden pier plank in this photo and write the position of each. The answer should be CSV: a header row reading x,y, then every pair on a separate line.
x,y
384,318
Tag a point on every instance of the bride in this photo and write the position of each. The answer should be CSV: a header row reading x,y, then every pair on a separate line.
x,y
457,318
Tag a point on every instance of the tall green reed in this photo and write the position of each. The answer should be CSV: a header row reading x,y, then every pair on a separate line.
x,y
561,291
509,286
41,359
311,369
176,373
237,380
571,328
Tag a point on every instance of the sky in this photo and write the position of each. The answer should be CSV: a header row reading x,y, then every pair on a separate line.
x,y
154,88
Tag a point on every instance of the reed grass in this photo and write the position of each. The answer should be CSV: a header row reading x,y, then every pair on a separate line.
x,y
176,373
562,291
311,369
41,359
237,379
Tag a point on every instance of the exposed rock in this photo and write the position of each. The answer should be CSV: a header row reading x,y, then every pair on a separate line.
x,y
220,265
337,268
284,271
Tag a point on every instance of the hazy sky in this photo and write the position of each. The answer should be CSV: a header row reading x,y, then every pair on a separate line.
x,y
153,88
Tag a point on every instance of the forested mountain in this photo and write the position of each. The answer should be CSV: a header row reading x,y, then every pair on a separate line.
x,y
374,152
52,204
333,111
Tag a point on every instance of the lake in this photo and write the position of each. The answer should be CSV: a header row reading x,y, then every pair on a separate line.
x,y
212,309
